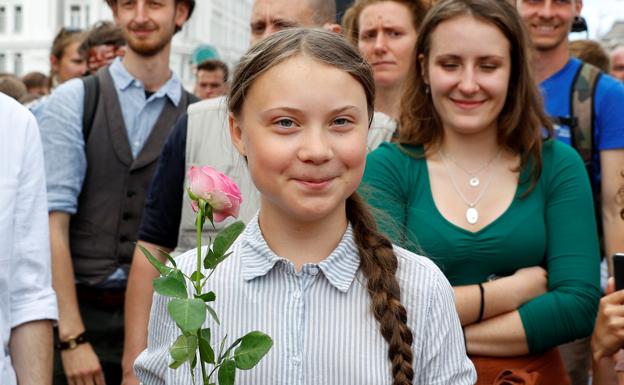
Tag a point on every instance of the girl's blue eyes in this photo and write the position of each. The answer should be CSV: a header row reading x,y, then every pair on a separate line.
x,y
289,123
285,123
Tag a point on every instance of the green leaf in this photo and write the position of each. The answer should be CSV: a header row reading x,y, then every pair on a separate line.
x,y
226,354
162,269
195,274
227,372
226,238
213,313
176,364
168,256
205,350
171,286
212,263
189,314
207,297
183,350
253,347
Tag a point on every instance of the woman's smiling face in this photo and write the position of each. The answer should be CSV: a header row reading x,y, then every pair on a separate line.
x,y
468,71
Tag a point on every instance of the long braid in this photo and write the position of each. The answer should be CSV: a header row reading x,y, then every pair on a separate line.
x,y
379,265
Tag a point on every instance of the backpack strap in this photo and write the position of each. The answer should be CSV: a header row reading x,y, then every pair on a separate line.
x,y
582,111
91,96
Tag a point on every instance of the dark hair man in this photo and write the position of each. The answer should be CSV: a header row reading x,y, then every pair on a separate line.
x,y
203,134
549,23
98,168
211,79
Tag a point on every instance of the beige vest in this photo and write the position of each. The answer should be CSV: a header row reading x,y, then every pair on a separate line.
x,y
208,143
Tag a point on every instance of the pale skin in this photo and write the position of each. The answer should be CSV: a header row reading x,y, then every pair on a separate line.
x,y
149,24
468,79
30,348
387,37
268,16
608,336
551,55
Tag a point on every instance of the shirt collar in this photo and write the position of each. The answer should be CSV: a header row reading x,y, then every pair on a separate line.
x,y
257,259
123,80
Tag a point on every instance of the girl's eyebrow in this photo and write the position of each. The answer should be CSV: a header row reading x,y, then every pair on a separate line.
x,y
294,110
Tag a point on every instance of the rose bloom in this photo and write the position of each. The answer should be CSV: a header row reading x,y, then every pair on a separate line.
x,y
217,189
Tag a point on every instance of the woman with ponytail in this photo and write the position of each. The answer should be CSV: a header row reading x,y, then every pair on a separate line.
x,y
478,186
342,304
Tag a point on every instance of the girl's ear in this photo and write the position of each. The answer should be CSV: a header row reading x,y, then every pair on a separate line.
x,y
423,68
236,133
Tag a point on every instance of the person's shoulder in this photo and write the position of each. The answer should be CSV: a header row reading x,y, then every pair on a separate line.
x,y
397,151
610,88
558,157
418,271
10,105
208,105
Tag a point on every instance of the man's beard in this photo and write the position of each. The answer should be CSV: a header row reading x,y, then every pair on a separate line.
x,y
148,48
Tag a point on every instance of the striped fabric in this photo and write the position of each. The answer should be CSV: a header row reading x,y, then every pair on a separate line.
x,y
319,318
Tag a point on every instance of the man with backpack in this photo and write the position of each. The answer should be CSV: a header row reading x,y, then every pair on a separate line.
x,y
102,138
586,106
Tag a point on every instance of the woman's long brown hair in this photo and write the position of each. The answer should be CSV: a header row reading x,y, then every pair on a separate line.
x,y
377,259
522,123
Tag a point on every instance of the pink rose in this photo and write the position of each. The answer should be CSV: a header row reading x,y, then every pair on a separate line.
x,y
215,188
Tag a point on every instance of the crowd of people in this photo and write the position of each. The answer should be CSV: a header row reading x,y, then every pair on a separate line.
x,y
433,193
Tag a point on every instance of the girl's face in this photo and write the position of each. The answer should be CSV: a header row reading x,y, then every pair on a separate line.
x,y
386,40
468,72
71,65
303,129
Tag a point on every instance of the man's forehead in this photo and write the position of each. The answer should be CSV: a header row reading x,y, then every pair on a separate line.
x,y
271,10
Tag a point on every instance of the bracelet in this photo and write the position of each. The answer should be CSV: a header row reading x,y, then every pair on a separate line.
x,y
71,343
482,303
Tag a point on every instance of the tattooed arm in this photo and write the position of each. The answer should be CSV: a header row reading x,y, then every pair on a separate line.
x,y
612,179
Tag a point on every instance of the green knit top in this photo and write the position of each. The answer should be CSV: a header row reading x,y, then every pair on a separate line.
x,y
553,227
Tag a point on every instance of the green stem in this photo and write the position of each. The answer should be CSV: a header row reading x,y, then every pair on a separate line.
x,y
198,224
202,363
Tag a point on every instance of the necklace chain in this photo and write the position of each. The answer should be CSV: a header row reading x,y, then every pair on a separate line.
x,y
475,173
458,191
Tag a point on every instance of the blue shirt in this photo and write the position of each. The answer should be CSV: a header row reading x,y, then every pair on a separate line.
x,y
60,121
608,107
319,318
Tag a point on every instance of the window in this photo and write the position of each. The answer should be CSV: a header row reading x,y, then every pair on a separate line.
x,y
2,19
17,64
87,16
74,17
2,62
17,22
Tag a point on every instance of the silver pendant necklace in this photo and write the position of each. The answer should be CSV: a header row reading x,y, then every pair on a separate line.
x,y
473,176
472,214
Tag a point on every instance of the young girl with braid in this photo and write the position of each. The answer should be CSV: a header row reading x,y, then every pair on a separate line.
x,y
342,304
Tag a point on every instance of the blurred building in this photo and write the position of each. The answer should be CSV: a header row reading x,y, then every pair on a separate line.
x,y
27,28
615,36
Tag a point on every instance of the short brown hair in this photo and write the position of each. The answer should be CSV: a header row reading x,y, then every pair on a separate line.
x,y
351,22
590,52
214,65
35,79
102,33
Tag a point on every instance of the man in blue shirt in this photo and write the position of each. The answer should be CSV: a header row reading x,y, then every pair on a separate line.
x,y
97,178
549,23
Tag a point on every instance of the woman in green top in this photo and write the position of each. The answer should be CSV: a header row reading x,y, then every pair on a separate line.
x,y
473,185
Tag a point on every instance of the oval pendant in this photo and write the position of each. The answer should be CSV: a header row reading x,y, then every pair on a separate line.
x,y
474,181
472,215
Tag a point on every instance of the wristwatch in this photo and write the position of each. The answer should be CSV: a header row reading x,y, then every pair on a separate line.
x,y
71,342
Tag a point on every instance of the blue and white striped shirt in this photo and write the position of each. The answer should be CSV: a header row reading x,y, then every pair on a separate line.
x,y
319,318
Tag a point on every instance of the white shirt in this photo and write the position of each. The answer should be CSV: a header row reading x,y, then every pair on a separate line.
x,y
319,318
26,292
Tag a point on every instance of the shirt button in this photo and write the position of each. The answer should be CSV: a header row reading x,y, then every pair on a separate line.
x,y
130,194
126,216
296,360
297,294
314,270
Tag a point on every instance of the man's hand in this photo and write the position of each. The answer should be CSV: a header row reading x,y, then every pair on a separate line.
x,y
82,366
608,336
